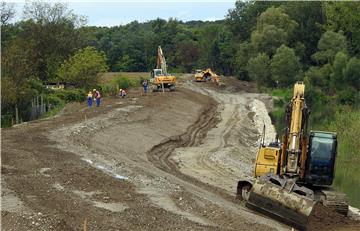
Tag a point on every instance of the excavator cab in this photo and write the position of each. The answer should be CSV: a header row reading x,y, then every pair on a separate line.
x,y
156,72
320,162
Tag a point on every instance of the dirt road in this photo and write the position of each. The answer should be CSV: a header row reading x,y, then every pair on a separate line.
x,y
147,162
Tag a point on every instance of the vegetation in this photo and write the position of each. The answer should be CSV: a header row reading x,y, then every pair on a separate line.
x,y
271,43
346,124
83,68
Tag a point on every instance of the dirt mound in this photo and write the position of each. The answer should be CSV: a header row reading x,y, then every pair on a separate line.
x,y
323,218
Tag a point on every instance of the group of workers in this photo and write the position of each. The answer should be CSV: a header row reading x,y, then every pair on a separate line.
x,y
96,96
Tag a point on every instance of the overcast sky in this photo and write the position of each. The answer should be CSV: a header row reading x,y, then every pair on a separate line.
x,y
111,13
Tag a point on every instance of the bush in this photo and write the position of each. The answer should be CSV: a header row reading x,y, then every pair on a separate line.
x,y
109,89
73,95
124,82
346,96
54,100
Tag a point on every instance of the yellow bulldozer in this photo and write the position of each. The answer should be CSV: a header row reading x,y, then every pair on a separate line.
x,y
293,175
207,75
160,78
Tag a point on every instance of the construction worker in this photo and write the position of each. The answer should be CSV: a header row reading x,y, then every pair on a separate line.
x,y
89,99
145,85
97,97
122,93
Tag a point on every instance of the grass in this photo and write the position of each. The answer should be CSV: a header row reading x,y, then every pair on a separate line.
x,y
110,76
347,174
54,111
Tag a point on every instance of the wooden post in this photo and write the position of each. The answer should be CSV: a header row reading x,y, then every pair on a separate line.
x,y
16,115
42,106
37,107
163,90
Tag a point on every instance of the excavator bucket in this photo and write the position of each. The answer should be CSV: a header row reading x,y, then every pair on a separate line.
x,y
281,199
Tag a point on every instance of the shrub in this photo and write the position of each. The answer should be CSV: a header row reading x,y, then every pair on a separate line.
x,y
109,89
124,82
71,95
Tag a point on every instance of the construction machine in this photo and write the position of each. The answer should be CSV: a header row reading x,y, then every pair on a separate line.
x,y
207,75
199,76
292,176
160,78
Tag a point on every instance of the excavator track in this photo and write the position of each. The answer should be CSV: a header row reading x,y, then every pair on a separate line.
x,y
334,200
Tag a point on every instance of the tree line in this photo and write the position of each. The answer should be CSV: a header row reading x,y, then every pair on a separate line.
x,y
271,43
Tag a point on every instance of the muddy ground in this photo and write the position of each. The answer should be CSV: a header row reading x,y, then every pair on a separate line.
x,y
158,161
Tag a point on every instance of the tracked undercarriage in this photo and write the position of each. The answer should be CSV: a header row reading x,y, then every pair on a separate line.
x,y
285,200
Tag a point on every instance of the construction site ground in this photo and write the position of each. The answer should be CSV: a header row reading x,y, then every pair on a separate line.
x,y
155,161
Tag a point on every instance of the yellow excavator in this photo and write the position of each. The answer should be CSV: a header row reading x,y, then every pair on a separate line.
x,y
207,75
293,175
160,78
199,76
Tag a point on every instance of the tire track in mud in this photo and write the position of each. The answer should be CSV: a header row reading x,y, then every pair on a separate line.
x,y
161,154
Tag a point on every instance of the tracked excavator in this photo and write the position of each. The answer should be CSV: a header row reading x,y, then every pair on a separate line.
x,y
160,78
208,75
292,176
199,76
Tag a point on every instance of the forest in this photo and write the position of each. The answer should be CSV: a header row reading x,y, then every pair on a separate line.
x,y
273,44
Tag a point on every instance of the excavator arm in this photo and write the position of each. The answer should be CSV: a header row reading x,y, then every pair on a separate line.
x,y
161,61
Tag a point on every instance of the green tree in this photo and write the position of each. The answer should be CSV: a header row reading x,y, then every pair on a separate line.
x,y
337,77
83,68
268,39
52,29
320,76
187,54
345,16
309,18
352,73
273,28
285,66
243,55
329,44
242,19
259,70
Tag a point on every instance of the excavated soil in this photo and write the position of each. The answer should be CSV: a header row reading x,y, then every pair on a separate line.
x,y
158,161
323,218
